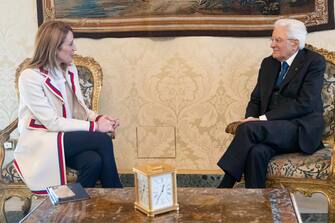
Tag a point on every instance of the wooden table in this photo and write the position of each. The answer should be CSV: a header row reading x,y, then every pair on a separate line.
x,y
196,205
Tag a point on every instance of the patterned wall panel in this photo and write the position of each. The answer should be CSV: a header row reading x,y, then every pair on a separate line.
x,y
17,39
191,84
156,142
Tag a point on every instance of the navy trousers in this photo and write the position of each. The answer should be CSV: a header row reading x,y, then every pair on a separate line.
x,y
253,146
92,155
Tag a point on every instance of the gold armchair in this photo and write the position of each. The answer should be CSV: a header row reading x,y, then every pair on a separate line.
x,y
11,185
310,173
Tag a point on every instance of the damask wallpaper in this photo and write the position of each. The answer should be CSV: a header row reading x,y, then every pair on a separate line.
x,y
16,43
174,96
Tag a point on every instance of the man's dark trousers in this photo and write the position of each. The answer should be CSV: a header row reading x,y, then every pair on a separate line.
x,y
254,144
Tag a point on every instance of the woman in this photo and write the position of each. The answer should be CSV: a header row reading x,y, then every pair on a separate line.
x,y
55,125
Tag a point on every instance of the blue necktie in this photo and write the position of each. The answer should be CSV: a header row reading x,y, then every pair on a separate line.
x,y
281,75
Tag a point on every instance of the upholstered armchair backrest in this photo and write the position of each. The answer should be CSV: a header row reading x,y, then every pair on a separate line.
x,y
90,78
328,93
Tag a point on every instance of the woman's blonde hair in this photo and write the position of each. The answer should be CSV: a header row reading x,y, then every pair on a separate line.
x,y
49,38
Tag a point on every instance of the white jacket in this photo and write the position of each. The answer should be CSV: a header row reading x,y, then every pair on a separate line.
x,y
39,155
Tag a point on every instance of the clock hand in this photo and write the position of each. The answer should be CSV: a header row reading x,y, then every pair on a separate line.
x,y
160,194
142,192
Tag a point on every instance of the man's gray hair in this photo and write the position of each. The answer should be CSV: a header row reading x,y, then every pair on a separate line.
x,y
295,30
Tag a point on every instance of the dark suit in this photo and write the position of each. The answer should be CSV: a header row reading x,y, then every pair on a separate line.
x,y
294,113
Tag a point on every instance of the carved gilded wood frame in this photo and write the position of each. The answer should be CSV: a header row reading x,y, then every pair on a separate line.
x,y
189,17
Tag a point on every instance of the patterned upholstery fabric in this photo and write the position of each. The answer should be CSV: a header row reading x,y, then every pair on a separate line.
x,y
328,93
317,165
298,165
10,175
86,84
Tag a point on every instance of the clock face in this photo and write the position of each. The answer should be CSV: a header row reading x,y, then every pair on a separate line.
x,y
143,190
162,191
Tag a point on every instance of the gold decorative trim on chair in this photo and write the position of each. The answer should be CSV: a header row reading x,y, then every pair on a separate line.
x,y
11,188
96,70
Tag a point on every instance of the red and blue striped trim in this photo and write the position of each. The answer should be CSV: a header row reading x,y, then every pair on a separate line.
x,y
49,84
39,192
72,82
64,111
42,70
98,117
61,162
92,127
53,88
32,124
17,167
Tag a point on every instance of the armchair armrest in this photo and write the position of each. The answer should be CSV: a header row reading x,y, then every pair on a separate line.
x,y
111,134
231,127
5,133
4,136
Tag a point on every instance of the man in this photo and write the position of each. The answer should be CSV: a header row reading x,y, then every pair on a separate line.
x,y
284,114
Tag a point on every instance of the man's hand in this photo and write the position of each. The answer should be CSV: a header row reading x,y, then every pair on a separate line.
x,y
231,127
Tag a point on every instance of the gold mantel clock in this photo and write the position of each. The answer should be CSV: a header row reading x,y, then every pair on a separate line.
x,y
155,189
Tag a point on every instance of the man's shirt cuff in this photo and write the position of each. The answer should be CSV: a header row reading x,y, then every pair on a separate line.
x,y
262,118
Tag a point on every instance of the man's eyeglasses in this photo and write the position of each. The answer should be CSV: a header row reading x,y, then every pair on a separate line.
x,y
278,40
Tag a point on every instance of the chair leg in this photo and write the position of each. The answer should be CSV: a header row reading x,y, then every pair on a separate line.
x,y
2,207
27,205
6,193
331,207
25,208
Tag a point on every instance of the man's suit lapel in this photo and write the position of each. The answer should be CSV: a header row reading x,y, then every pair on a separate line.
x,y
271,73
294,68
